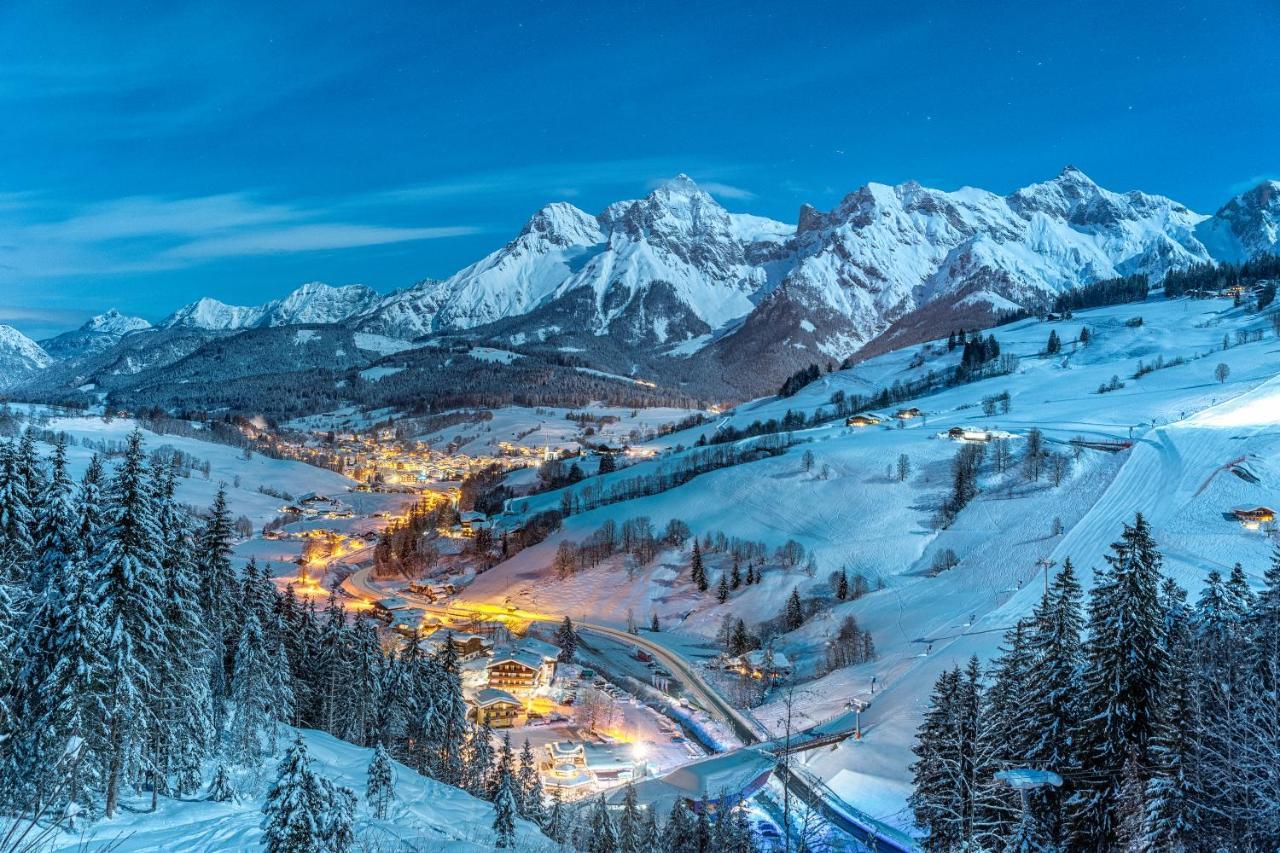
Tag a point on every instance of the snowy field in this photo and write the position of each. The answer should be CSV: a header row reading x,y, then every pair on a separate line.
x,y
1201,448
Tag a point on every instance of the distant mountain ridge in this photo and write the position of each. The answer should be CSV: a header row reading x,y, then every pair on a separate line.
x,y
314,302
674,287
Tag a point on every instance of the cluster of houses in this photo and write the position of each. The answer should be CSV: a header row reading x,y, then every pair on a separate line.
x,y
760,664
379,457
869,419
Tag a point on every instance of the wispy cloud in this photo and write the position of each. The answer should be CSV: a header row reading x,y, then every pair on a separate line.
x,y
308,238
727,190
1249,183
135,234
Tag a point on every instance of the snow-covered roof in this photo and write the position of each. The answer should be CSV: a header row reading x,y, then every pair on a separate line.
x,y
532,660
492,696
757,659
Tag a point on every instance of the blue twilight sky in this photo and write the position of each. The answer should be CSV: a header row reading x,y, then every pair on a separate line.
x,y
151,153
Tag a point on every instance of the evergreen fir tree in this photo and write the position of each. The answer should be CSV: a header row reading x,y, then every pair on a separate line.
x,y
17,521
793,617
1003,741
556,825
722,589
567,640
220,789
1174,793
842,585
697,572
679,835
1125,666
529,785
183,686
603,838
253,724
295,806
1052,695
735,576
55,524
129,585
219,588
631,825
504,813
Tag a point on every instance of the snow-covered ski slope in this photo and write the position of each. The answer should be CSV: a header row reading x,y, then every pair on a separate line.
x,y
426,815
1201,447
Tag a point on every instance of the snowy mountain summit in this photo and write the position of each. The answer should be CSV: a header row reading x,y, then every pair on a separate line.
x,y
113,322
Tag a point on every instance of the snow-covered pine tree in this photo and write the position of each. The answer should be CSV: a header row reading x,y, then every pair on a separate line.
x,y
478,761
722,589
1003,739
129,586
529,784
380,790
1174,794
503,765
252,723
504,812
735,575
366,663
1052,697
649,835
793,615
1125,667
220,591
90,512
17,521
631,824
556,826
679,832
567,639
221,789
32,747
603,837
332,667
340,823
295,807
183,685
943,796
697,572
447,725
55,524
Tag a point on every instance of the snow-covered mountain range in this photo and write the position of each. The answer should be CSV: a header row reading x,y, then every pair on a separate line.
x,y
314,302
674,286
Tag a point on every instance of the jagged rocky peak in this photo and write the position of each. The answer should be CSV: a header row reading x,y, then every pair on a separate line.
x,y
1246,226
677,209
112,322
317,302
561,224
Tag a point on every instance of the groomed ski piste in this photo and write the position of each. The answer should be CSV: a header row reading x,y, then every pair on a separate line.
x,y
1200,447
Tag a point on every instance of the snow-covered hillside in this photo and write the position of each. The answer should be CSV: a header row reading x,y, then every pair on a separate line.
x,y
20,357
243,478
426,814
1203,444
